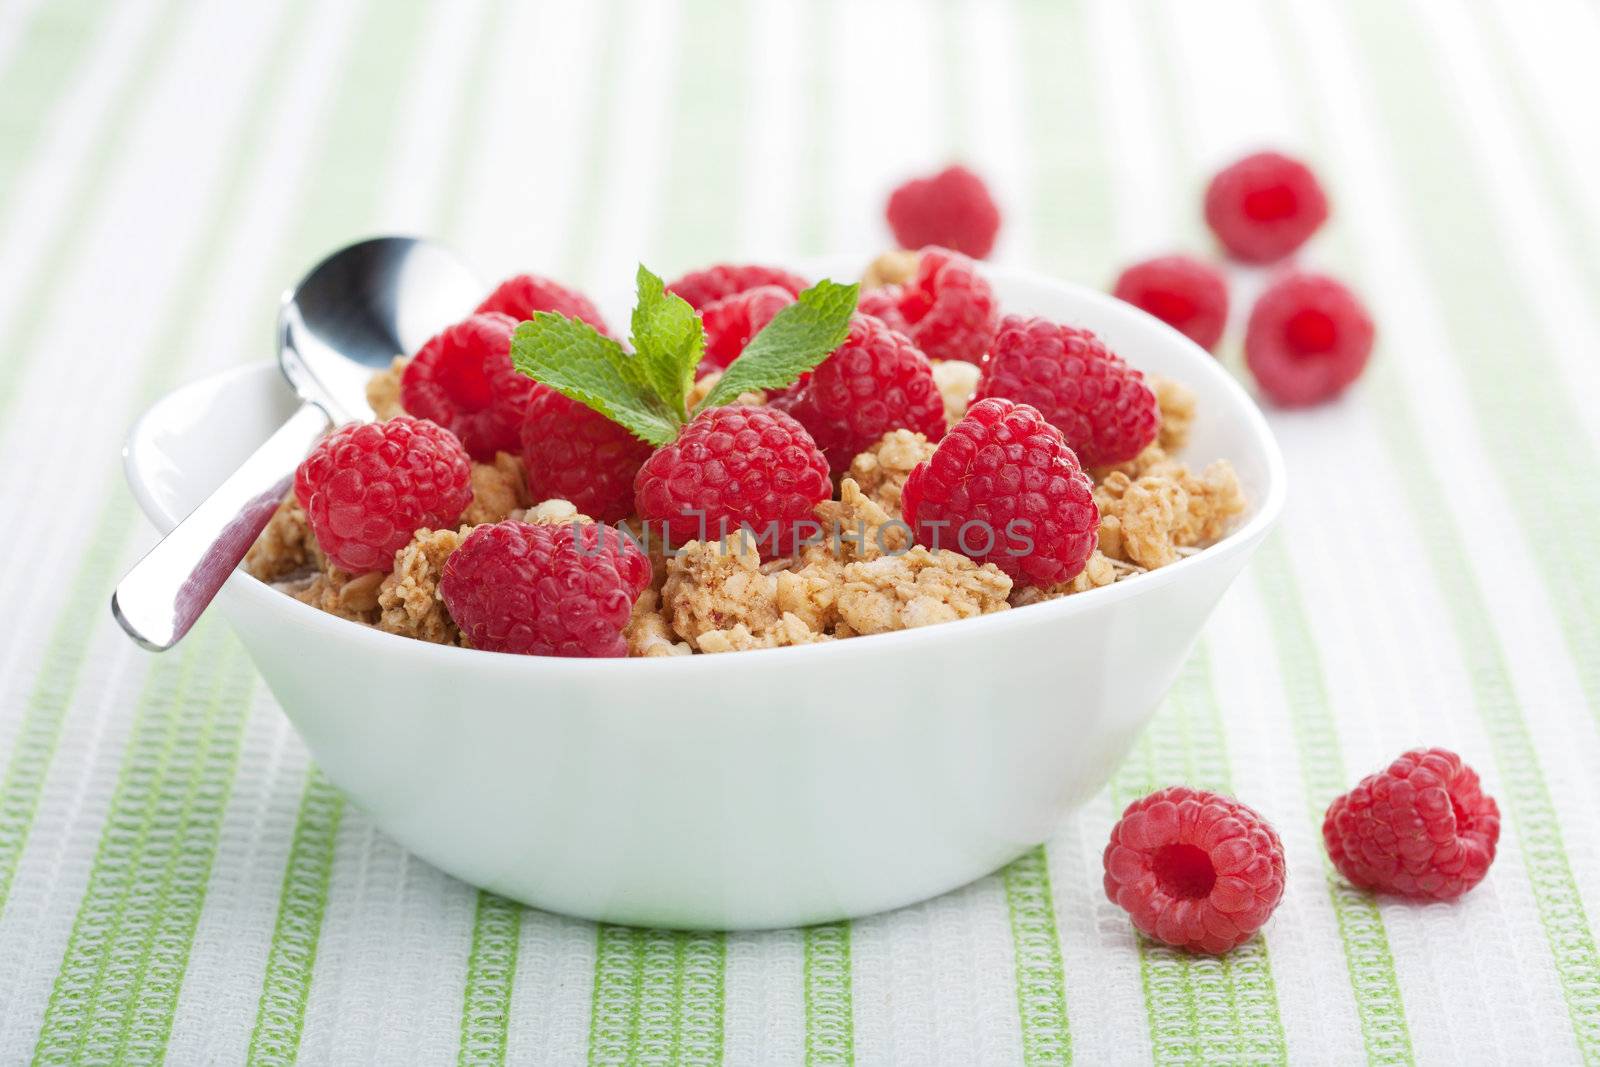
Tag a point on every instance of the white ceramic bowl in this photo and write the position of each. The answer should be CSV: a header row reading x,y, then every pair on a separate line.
x,y
757,789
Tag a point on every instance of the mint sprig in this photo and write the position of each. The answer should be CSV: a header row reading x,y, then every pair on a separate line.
x,y
798,338
646,390
580,362
669,339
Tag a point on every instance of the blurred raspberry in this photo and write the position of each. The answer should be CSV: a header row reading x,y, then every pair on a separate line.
x,y
1194,869
1003,487
545,590
731,321
367,487
875,382
1265,206
463,380
731,467
1423,827
522,295
948,310
953,209
1187,294
701,287
1103,407
574,453
1308,338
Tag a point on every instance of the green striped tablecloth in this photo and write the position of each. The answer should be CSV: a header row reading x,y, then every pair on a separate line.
x,y
176,880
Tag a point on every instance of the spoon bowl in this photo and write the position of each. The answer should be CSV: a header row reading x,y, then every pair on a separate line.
x,y
352,313
359,308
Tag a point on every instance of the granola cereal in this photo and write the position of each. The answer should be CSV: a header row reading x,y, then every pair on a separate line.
x,y
855,527
881,471
409,596
649,633
788,630
353,597
718,598
811,593
716,585
1099,571
706,382
1176,402
957,381
553,512
499,490
286,546
918,588
1146,520
383,390
894,267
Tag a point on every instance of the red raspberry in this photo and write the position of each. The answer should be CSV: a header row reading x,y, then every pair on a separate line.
x,y
463,380
367,487
1102,405
574,453
1265,206
1187,294
564,590
1004,488
1308,338
701,287
953,208
734,467
875,382
1421,828
948,309
731,321
1194,869
522,295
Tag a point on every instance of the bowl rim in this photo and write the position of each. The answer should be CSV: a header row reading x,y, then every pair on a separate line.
x,y
1266,513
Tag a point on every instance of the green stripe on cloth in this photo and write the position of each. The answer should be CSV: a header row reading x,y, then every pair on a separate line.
x,y
1529,806
830,1011
473,122
828,975
1041,985
1530,424
1364,940
49,57
578,255
1200,1009
1183,994
812,196
1581,243
360,126
1071,207
701,199
84,606
1373,981
1530,419
1070,211
20,337
34,747
118,984
354,140
302,903
491,970
658,996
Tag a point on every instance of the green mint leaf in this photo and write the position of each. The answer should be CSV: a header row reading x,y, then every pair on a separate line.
x,y
798,338
579,362
668,340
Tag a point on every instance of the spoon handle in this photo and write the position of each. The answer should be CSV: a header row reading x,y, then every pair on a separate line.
x,y
165,592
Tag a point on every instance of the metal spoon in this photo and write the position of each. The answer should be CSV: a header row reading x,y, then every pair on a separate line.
x,y
351,315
